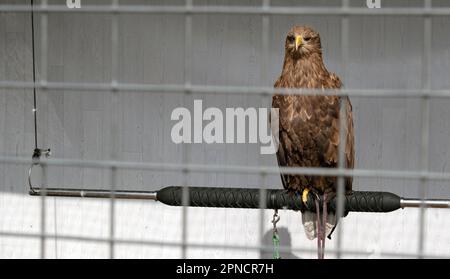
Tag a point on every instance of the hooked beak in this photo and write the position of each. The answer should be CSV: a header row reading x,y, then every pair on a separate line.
x,y
298,42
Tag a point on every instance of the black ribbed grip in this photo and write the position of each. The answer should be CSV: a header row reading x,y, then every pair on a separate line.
x,y
275,199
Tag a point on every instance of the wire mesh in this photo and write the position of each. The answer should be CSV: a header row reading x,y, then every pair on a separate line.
x,y
265,10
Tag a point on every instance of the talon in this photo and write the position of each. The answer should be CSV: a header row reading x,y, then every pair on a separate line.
x,y
305,195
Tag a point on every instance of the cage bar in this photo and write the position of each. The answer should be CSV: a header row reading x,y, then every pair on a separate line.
x,y
238,10
236,169
232,197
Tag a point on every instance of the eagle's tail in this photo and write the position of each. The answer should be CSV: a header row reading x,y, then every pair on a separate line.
x,y
309,221
310,224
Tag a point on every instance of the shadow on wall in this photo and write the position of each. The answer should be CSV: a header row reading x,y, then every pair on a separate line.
x,y
285,241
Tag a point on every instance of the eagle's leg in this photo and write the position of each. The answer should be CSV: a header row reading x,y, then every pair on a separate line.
x,y
319,230
324,224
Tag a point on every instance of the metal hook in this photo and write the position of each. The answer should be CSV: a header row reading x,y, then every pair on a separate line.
x,y
30,170
37,153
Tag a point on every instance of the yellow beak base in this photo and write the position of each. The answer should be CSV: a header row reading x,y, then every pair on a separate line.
x,y
298,42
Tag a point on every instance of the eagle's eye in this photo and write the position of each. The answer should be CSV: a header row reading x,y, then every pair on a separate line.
x,y
307,38
291,38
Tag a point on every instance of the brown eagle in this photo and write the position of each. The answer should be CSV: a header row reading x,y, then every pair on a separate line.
x,y
309,127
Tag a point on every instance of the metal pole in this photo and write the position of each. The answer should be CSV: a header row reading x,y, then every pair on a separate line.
x,y
81,193
434,203
248,198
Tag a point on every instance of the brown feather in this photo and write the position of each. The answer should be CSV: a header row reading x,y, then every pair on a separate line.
x,y
309,125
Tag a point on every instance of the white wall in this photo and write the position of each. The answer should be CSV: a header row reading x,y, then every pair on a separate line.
x,y
385,53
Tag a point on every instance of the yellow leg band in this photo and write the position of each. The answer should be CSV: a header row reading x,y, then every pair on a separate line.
x,y
305,195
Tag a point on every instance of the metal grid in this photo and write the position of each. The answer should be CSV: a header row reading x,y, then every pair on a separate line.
x,y
265,11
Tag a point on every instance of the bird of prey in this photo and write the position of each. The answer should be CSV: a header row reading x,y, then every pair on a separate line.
x,y
309,128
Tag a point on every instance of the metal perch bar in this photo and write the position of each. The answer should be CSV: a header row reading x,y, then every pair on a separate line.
x,y
358,201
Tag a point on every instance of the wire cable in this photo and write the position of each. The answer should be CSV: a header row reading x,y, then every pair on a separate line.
x,y
34,77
